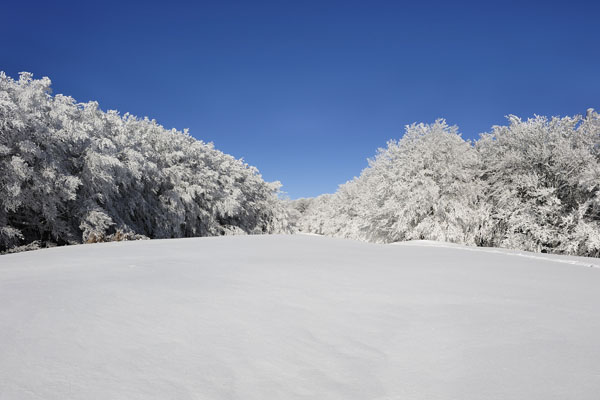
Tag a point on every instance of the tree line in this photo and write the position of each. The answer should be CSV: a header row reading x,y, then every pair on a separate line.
x,y
531,185
72,173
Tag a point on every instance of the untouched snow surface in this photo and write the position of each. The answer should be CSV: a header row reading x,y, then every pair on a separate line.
x,y
296,317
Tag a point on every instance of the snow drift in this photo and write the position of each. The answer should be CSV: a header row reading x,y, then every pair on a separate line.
x,y
296,317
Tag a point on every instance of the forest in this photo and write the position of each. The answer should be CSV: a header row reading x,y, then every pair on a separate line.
x,y
531,185
72,173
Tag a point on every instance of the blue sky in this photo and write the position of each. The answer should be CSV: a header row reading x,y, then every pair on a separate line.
x,y
307,91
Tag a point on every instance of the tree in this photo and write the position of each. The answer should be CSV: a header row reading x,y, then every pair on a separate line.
x,y
73,173
542,182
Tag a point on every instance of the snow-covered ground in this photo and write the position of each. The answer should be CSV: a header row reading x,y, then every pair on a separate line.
x,y
296,317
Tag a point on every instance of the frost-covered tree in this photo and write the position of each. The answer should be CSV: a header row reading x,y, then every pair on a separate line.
x,y
73,173
531,185
37,183
542,178
425,186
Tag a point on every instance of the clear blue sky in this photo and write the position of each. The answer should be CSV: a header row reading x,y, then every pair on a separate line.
x,y
306,91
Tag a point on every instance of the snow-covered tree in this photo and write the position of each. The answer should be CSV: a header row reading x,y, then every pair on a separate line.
x,y
542,180
73,173
425,186
531,185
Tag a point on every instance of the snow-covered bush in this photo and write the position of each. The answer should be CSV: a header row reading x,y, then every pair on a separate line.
x,y
72,173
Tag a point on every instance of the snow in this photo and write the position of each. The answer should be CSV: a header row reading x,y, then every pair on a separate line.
x,y
575,260
296,317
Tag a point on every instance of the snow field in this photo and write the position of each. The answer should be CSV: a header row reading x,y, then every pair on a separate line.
x,y
295,317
